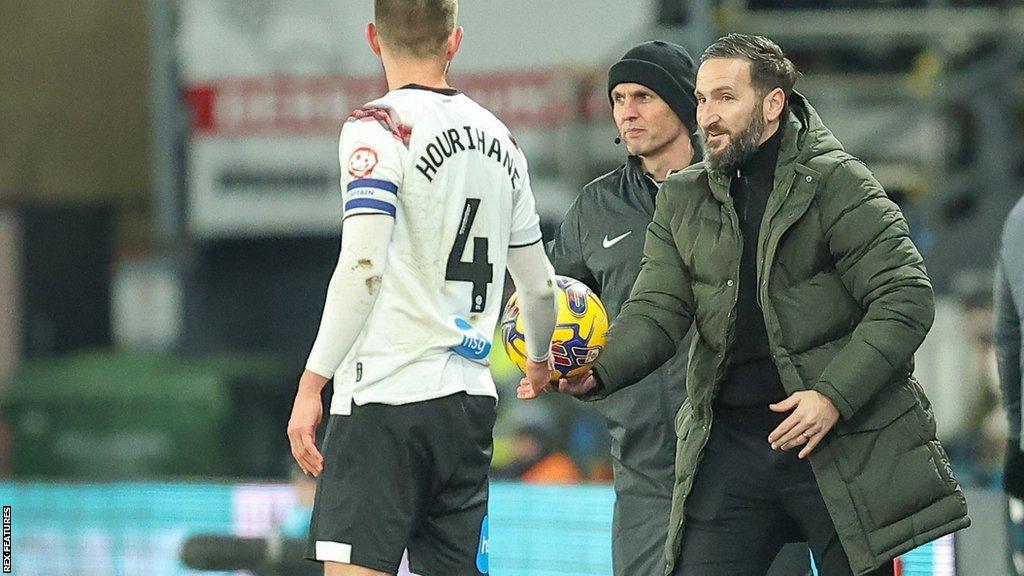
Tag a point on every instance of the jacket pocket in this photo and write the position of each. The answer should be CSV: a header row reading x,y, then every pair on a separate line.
x,y
681,485
890,467
684,452
900,487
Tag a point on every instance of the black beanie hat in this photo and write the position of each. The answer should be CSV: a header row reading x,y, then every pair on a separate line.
x,y
665,68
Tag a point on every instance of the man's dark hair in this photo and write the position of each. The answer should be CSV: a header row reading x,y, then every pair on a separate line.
x,y
417,28
769,67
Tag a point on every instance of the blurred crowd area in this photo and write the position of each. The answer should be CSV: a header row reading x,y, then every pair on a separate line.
x,y
169,213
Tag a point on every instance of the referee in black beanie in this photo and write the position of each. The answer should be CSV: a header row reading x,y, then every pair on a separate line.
x,y
600,242
667,70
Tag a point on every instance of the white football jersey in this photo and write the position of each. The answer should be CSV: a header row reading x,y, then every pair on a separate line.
x,y
456,182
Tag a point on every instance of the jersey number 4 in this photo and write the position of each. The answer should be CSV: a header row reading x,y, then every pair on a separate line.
x,y
477,271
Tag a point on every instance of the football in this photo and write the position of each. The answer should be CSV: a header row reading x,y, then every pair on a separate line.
x,y
579,333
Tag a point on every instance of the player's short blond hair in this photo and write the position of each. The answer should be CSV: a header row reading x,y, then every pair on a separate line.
x,y
418,28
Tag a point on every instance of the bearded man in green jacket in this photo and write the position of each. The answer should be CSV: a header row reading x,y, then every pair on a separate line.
x,y
803,418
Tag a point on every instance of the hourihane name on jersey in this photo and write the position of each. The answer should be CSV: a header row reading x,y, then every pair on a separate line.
x,y
454,141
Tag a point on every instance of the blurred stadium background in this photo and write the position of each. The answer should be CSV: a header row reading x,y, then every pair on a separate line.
x,y
169,220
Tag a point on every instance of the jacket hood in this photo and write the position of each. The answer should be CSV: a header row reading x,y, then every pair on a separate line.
x,y
805,135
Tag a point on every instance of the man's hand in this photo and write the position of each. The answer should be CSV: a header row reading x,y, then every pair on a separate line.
x,y
307,412
812,418
579,385
537,380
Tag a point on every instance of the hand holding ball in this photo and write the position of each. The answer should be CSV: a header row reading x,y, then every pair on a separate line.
x,y
579,335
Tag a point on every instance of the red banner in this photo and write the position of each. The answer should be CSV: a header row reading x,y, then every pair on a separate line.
x,y
319,105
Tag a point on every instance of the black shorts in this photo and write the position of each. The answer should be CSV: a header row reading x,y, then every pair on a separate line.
x,y
412,476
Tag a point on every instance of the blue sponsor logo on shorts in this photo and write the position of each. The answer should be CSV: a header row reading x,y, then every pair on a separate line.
x,y
475,344
482,550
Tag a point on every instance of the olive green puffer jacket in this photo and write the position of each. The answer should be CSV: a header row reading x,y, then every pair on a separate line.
x,y
846,303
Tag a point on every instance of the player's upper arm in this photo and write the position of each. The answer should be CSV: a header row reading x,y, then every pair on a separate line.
x,y
372,152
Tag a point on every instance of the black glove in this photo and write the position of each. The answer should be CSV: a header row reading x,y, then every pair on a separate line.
x,y
1013,473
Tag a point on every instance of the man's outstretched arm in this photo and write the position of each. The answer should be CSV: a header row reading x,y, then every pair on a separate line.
x,y
658,313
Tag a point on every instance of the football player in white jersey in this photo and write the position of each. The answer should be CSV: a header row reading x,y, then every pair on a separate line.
x,y
437,203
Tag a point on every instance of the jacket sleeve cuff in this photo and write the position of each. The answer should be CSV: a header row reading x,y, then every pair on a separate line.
x,y
829,391
602,390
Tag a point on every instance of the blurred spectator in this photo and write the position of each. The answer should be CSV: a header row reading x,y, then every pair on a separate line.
x,y
1009,307
535,459
589,445
984,430
296,524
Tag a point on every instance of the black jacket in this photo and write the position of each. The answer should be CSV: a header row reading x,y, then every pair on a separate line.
x,y
600,243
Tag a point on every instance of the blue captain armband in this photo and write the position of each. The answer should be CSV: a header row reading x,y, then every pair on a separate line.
x,y
370,196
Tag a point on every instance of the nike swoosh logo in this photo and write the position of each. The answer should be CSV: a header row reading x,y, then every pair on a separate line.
x,y
609,243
